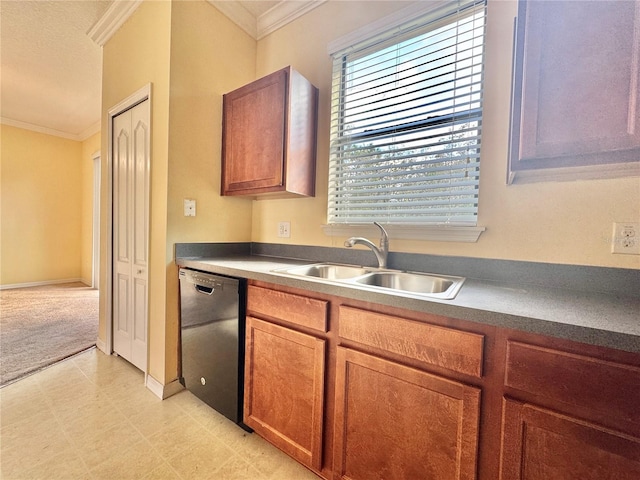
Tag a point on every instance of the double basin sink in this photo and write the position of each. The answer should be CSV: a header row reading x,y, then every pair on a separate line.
x,y
413,284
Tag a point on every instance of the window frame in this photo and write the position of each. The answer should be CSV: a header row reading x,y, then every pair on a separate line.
x,y
361,43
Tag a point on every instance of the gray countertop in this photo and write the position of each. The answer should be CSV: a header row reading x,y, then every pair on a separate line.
x,y
609,320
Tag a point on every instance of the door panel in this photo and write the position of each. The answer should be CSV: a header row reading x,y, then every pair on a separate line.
x,y
284,389
542,444
394,422
131,164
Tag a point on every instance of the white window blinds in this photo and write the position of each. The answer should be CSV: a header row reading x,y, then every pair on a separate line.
x,y
406,122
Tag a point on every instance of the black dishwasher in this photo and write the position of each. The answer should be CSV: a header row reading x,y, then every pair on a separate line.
x,y
212,325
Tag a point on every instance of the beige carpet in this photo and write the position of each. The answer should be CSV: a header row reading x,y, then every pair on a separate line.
x,y
43,325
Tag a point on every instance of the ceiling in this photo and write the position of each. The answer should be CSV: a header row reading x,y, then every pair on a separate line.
x,y
51,55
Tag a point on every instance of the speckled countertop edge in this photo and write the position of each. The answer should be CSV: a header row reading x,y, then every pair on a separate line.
x,y
595,318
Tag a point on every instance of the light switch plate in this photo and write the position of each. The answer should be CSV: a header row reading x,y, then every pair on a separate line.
x,y
189,207
284,229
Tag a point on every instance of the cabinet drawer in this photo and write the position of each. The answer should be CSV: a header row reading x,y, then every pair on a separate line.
x,y
444,347
592,383
296,309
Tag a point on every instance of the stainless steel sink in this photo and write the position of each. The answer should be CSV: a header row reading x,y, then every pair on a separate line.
x,y
413,284
328,271
410,282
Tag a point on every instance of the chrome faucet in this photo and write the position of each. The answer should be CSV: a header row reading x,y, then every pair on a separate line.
x,y
381,253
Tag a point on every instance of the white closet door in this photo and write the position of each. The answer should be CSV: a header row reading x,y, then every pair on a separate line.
x,y
131,163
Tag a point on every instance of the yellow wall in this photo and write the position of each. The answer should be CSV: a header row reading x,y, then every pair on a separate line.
x,y
90,146
192,55
41,206
209,57
136,55
556,222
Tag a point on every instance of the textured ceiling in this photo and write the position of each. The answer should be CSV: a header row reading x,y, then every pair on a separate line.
x,y
51,70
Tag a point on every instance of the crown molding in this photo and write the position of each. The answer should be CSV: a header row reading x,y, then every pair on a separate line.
x,y
90,131
37,128
276,17
283,13
118,13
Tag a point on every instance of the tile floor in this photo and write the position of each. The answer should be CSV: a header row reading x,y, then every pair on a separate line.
x,y
90,417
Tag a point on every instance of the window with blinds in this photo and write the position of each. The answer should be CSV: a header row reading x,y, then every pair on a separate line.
x,y
406,122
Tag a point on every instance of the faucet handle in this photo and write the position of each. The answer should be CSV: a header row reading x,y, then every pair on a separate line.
x,y
384,237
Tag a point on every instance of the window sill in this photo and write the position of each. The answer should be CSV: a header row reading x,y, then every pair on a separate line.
x,y
436,233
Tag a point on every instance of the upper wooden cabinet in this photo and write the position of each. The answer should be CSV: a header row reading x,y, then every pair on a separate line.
x,y
576,84
269,137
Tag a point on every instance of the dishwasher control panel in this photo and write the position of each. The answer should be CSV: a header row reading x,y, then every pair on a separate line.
x,y
198,278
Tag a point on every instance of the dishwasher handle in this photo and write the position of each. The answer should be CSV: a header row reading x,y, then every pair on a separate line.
x,y
203,290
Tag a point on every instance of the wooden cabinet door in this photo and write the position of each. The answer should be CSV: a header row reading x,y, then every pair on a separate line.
x,y
284,389
395,422
254,135
576,84
540,444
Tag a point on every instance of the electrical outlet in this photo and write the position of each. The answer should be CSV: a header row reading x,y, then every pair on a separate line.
x,y
284,229
626,238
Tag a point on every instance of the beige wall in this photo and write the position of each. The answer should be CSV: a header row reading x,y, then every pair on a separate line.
x,y
209,57
136,55
192,55
89,147
41,207
557,222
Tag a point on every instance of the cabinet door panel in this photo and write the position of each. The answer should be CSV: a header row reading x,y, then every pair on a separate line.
x,y
254,134
395,422
576,87
284,389
540,444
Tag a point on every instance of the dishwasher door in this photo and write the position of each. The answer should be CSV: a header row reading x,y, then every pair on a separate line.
x,y
212,339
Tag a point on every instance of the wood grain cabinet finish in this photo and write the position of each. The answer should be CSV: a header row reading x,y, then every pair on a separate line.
x,y
357,391
576,84
395,422
269,137
569,414
570,380
430,344
540,444
296,309
284,389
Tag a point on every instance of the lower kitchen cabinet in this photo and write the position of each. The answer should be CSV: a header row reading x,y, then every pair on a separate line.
x,y
569,412
360,391
397,422
540,444
284,389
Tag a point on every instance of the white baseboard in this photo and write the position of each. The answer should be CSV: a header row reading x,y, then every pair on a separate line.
x,y
40,284
163,391
102,346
